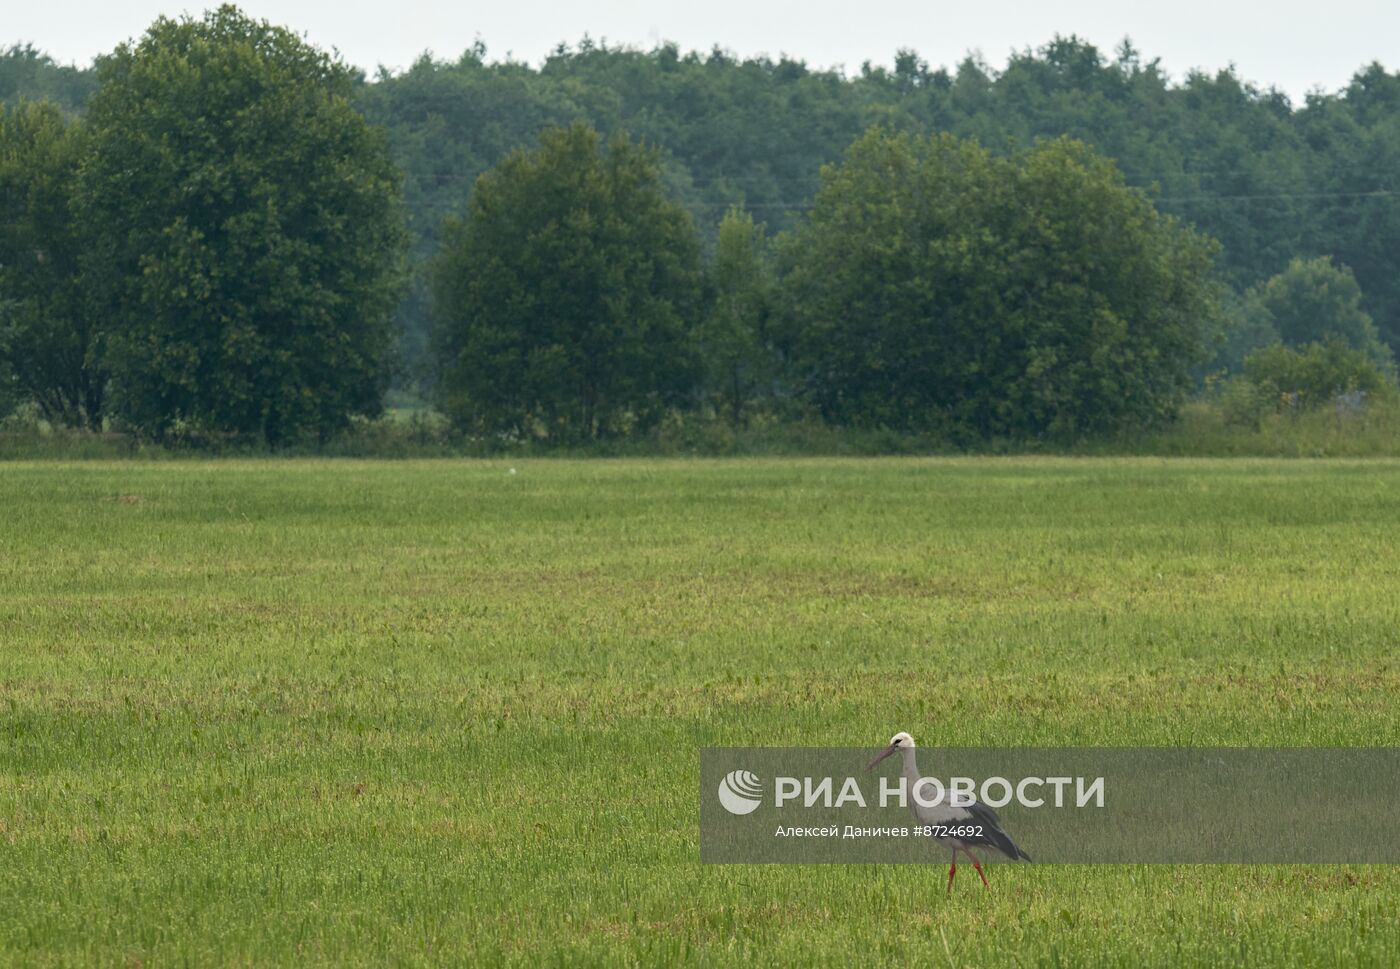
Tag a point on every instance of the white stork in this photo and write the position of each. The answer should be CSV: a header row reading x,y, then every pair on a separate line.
x,y
977,825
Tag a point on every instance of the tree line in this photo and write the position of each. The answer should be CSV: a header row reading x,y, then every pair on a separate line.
x,y
206,233
1270,180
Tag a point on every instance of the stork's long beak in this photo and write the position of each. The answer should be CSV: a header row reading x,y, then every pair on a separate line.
x,y
881,756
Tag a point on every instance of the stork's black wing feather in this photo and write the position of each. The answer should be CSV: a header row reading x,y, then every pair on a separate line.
x,y
992,834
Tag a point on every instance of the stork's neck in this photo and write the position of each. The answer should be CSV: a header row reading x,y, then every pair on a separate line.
x,y
911,766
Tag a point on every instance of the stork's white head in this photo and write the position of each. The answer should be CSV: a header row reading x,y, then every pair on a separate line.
x,y
900,741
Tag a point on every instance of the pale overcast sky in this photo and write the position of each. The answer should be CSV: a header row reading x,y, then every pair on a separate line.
x,y
1296,45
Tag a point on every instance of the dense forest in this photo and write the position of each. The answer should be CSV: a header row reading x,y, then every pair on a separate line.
x,y
1269,179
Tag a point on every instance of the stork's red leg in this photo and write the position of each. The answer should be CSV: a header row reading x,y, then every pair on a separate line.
x,y
952,870
976,864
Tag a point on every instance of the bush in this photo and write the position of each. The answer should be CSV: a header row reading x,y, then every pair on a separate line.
x,y
1317,374
1281,380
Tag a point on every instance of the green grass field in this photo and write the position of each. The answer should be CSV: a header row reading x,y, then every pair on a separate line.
x,y
335,713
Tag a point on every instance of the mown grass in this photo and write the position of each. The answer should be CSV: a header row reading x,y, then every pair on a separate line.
x,y
339,713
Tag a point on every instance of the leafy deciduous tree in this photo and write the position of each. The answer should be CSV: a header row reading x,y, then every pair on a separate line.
x,y
567,296
1314,301
248,231
937,287
734,347
48,334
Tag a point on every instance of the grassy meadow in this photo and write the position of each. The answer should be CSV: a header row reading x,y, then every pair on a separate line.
x,y
447,713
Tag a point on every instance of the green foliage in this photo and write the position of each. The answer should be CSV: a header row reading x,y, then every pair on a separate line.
x,y
938,287
10,398
1233,421
49,350
28,74
1283,379
1236,161
734,342
1316,301
1353,160
247,232
1244,403
1245,326
1311,301
1317,373
566,298
749,132
1269,179
447,123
